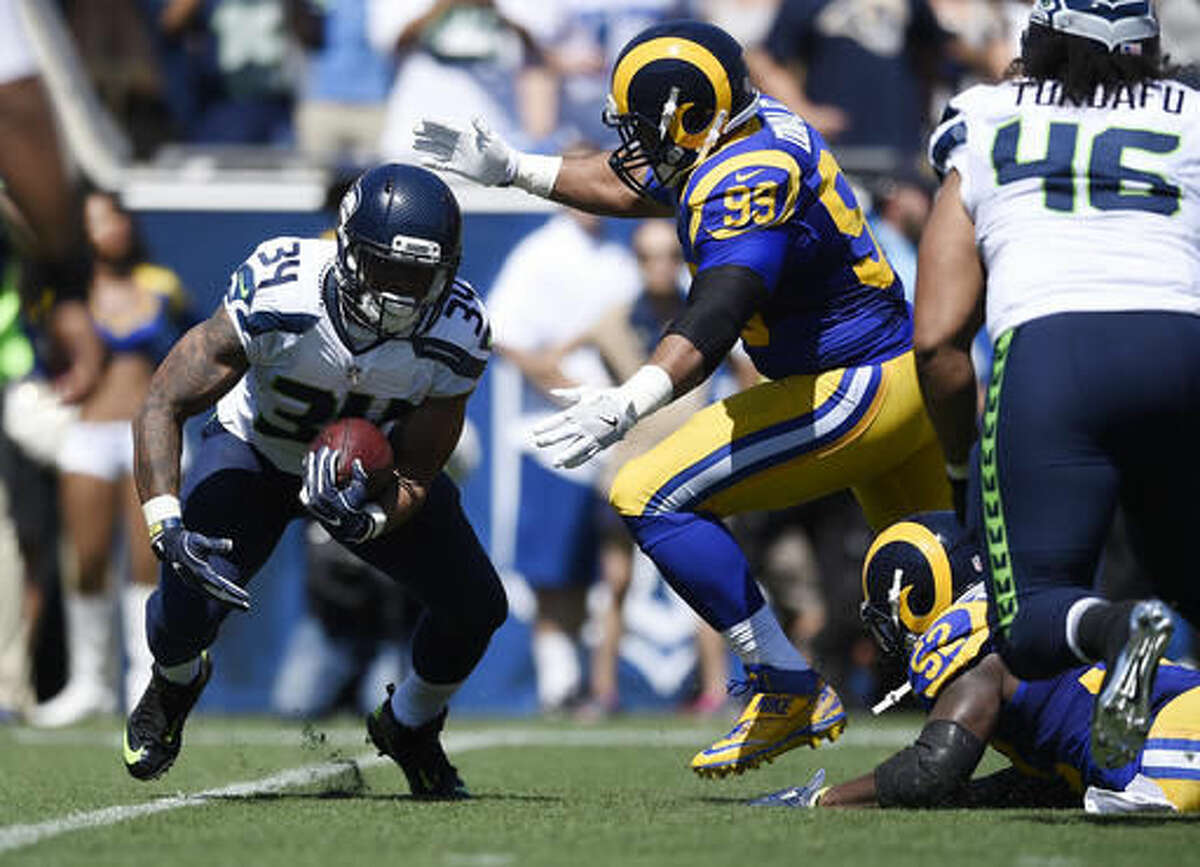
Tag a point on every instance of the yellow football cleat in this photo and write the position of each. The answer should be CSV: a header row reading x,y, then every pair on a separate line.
x,y
788,710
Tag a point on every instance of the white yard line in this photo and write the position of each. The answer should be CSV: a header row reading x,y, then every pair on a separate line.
x,y
862,736
19,836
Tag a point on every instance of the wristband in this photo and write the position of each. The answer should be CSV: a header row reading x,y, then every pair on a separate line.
x,y
158,510
649,389
816,799
536,173
958,472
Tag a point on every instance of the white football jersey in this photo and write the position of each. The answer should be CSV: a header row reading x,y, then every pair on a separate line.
x,y
1079,208
302,373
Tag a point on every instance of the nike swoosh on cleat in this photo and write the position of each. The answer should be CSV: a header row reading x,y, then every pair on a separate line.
x,y
132,756
741,745
610,420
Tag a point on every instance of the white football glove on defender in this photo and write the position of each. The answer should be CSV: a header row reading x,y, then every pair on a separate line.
x,y
477,153
481,154
595,418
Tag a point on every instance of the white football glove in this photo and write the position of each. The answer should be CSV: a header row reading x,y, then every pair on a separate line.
x,y
594,419
477,153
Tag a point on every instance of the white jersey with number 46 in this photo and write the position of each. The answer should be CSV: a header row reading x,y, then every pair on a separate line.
x,y
303,371
1079,208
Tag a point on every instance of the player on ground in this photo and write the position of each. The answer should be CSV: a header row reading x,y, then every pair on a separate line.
x,y
782,258
1072,193
373,325
924,595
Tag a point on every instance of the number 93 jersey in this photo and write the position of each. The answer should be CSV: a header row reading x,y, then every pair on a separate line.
x,y
1079,207
773,199
303,372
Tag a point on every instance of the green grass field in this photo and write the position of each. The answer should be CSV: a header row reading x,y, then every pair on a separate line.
x,y
259,793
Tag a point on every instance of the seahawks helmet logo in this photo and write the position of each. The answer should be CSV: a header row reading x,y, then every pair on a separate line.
x,y
1115,23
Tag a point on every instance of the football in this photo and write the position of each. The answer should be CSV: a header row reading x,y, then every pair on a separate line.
x,y
358,439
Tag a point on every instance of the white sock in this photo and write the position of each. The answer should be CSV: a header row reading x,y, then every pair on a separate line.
x,y
557,667
760,640
138,659
1074,614
183,673
89,638
416,701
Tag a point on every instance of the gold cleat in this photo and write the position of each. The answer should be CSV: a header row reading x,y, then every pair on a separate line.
x,y
774,722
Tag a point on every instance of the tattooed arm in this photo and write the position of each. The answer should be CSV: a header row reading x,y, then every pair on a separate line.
x,y
203,365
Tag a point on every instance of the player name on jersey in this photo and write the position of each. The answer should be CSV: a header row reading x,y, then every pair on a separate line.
x,y
1045,180
1163,95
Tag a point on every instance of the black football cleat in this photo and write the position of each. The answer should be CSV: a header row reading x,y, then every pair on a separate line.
x,y
154,730
418,752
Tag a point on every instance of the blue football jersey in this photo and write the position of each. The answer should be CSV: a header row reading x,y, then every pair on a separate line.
x,y
1045,729
774,200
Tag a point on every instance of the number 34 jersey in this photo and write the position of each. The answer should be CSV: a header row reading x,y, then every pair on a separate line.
x,y
1079,208
303,372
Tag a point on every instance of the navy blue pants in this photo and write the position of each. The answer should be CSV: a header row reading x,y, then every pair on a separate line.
x,y
1087,410
232,491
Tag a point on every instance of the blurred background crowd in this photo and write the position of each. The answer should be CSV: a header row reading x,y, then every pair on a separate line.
x,y
315,90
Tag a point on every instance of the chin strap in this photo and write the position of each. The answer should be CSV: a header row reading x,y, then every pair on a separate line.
x,y
892,699
714,133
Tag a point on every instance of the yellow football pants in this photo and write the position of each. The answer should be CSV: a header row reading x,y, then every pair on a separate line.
x,y
789,441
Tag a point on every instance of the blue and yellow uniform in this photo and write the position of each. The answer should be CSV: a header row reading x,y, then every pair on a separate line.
x,y
1045,728
778,245
842,408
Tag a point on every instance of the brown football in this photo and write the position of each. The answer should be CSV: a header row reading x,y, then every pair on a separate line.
x,y
358,439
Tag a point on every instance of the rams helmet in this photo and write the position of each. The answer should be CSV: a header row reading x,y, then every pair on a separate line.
x,y
914,570
676,89
1120,25
399,242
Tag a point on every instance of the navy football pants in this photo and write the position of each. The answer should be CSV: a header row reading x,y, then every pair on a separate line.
x,y
1087,410
232,491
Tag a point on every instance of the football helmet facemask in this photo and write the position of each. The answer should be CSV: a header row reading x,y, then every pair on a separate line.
x,y
676,89
399,238
914,570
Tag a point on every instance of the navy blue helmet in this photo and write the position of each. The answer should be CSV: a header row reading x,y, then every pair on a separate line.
x,y
914,570
399,238
676,89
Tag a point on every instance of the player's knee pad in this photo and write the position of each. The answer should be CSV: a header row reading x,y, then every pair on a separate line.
x,y
932,769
